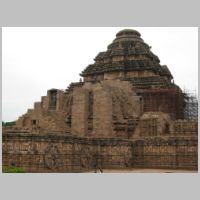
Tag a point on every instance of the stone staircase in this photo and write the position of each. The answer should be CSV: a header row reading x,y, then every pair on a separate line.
x,y
48,120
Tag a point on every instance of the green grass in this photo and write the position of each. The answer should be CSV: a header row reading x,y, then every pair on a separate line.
x,y
13,170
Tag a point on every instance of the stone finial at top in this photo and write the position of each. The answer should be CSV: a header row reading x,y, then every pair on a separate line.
x,y
128,32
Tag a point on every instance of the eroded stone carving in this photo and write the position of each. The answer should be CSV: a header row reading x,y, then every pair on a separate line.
x,y
123,105
85,157
52,158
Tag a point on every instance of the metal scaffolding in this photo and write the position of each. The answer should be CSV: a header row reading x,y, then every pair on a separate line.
x,y
191,105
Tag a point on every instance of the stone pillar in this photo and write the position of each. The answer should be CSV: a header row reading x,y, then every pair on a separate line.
x,y
79,111
102,113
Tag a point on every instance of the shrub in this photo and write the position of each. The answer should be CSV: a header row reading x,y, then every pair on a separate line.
x,y
8,124
13,170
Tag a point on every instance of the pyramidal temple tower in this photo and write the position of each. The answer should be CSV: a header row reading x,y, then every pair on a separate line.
x,y
125,93
126,113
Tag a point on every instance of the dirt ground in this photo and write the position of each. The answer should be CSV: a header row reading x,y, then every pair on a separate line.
x,y
146,171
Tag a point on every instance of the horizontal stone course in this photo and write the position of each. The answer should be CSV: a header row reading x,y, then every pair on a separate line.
x,y
67,153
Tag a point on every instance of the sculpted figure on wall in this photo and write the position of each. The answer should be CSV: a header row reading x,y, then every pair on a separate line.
x,y
68,108
123,106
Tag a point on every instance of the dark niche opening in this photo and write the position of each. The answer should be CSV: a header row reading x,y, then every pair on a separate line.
x,y
33,122
53,99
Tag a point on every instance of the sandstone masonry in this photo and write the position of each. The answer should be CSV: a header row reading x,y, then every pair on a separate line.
x,y
127,112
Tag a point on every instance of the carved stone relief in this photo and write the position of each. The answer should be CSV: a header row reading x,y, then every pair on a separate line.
x,y
123,107
85,157
68,108
52,159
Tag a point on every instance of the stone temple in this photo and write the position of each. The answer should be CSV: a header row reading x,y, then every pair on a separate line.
x,y
127,112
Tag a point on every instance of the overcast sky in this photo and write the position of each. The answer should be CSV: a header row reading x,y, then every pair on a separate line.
x,y
38,59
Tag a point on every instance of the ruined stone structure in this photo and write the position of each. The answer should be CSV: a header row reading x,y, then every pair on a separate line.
x,y
127,112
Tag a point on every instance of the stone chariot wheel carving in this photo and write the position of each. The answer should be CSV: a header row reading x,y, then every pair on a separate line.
x,y
52,157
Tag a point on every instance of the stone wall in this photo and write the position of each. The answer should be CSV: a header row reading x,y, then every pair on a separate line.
x,y
185,127
160,124
66,153
45,116
63,153
170,152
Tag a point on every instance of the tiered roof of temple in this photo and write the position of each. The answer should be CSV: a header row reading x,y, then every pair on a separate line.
x,y
128,52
